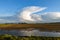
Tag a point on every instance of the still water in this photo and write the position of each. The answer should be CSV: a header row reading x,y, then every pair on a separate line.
x,y
34,32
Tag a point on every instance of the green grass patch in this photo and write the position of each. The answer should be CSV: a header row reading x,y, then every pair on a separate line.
x,y
11,37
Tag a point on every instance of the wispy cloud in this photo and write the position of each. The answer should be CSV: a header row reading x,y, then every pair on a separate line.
x,y
7,21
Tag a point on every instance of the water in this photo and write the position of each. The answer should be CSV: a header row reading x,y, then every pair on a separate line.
x,y
34,32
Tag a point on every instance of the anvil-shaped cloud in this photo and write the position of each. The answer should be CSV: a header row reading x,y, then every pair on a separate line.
x,y
30,15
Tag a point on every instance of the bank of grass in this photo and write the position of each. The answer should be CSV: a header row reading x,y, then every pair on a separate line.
x,y
11,37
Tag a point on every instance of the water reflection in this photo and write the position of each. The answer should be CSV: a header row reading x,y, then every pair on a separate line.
x,y
34,32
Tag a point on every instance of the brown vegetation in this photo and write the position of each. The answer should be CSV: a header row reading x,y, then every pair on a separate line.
x,y
51,26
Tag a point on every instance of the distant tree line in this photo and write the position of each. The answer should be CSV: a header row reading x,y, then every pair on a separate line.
x,y
34,23
14,23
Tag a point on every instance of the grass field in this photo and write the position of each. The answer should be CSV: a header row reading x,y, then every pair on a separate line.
x,y
51,26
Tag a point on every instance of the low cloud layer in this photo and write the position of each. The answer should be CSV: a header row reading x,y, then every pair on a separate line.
x,y
51,17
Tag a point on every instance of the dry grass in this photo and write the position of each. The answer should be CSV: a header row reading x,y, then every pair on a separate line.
x,y
23,26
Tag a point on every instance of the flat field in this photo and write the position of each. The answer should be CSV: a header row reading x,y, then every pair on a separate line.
x,y
46,26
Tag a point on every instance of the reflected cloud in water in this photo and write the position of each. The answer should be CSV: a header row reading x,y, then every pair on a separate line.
x,y
34,32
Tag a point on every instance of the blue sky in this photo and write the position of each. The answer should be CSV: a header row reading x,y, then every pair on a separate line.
x,y
11,7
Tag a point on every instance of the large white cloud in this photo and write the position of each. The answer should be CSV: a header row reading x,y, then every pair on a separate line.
x,y
27,15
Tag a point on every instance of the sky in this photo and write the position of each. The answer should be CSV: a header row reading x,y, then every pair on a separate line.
x,y
10,10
